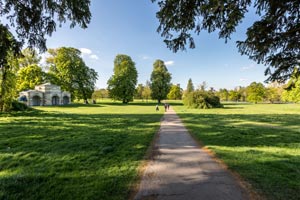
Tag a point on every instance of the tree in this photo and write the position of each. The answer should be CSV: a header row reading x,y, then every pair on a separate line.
x,y
292,88
190,86
32,20
28,77
223,94
100,94
272,40
29,57
175,92
9,48
234,95
121,85
68,70
139,92
256,92
160,81
147,91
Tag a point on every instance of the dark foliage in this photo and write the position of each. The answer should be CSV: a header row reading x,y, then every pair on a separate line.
x,y
273,40
202,100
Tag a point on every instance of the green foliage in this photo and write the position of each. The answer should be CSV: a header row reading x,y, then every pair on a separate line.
x,y
202,99
146,94
139,92
160,81
175,92
33,20
74,152
261,142
100,94
28,77
121,85
190,86
29,57
273,39
68,70
9,49
223,94
292,89
18,106
256,92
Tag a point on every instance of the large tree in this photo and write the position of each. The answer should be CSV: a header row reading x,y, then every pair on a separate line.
x,y
273,39
160,81
68,70
28,77
32,20
121,85
9,48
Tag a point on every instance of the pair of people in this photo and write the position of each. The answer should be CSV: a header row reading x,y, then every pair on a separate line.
x,y
167,106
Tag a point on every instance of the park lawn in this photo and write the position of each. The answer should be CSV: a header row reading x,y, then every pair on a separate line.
x,y
260,142
76,151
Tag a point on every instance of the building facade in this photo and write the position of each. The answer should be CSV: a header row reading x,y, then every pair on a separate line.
x,y
45,95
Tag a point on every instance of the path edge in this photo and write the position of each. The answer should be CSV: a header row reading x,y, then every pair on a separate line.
x,y
150,154
247,187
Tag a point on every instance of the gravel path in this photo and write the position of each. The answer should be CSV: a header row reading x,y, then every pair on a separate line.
x,y
182,170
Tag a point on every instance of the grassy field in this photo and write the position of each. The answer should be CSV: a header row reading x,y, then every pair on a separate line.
x,y
74,152
260,142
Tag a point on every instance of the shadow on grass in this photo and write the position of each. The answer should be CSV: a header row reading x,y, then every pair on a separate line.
x,y
72,156
263,148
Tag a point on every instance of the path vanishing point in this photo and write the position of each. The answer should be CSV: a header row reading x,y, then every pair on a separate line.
x,y
181,170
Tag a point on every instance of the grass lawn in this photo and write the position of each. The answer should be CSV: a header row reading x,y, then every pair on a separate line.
x,y
74,152
260,142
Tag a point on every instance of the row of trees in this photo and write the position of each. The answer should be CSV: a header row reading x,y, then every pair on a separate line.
x,y
65,67
255,92
122,84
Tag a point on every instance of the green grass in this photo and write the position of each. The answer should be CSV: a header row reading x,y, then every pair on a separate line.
x,y
260,142
74,152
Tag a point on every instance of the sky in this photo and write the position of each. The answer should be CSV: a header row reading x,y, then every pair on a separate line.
x,y
129,27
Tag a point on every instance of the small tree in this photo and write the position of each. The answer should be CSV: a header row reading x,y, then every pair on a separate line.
x,y
175,92
256,92
121,85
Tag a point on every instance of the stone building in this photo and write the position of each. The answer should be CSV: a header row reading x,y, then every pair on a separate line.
x,y
45,95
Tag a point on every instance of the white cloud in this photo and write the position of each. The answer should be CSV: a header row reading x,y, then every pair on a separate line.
x,y
85,51
249,67
95,57
169,63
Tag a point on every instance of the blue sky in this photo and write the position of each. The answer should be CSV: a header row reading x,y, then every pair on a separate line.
x,y
129,27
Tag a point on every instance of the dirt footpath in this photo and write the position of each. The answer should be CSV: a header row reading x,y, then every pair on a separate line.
x,y
183,171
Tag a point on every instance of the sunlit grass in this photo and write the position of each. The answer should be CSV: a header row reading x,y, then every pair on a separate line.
x,y
74,152
260,142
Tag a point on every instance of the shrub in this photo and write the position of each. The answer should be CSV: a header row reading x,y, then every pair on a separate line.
x,y
19,106
202,100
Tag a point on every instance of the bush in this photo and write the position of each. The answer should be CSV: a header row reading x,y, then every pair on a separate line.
x,y
19,106
202,100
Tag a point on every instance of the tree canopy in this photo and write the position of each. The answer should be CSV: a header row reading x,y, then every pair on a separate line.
x,y
272,40
68,70
160,81
34,19
121,85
